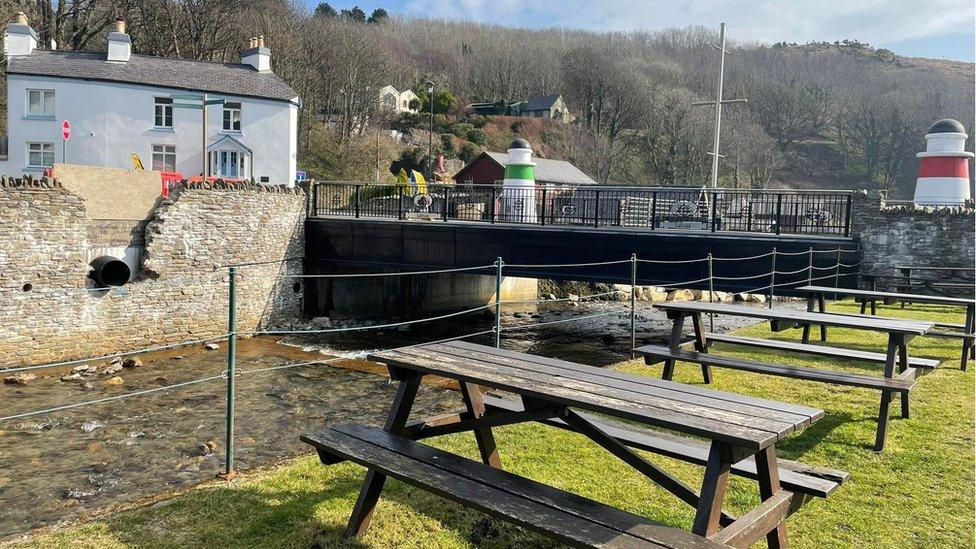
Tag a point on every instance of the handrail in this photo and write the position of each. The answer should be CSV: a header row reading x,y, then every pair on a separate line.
x,y
592,187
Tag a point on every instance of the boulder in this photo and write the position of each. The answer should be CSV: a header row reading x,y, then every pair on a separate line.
x,y
23,378
211,346
756,298
114,381
573,297
320,323
74,376
133,362
110,369
656,297
681,295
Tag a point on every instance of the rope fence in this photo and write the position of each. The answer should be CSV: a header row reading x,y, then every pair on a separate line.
x,y
497,269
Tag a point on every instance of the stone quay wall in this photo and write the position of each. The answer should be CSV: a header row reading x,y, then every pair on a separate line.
x,y
904,234
50,310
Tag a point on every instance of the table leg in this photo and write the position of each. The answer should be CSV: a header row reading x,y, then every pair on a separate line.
x,y
886,395
712,494
967,343
768,472
823,309
475,405
806,327
701,345
874,307
902,366
675,344
369,494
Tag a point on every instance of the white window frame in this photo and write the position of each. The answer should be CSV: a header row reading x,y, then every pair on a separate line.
x,y
43,104
165,104
164,151
42,146
232,109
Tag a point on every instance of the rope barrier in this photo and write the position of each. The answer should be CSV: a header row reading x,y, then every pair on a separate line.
x,y
371,327
794,272
115,355
574,319
676,261
767,254
563,299
740,277
111,398
402,273
824,268
560,265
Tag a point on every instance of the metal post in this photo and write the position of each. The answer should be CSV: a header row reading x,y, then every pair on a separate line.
x,y
494,198
772,280
718,105
810,269
847,216
229,472
653,210
399,202
596,214
633,304
711,291
498,302
447,201
779,212
544,206
357,201
714,208
837,271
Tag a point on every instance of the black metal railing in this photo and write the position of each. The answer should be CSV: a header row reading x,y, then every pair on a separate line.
x,y
652,208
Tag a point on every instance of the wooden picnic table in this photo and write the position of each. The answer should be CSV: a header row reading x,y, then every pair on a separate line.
x,y
948,278
816,295
736,427
899,332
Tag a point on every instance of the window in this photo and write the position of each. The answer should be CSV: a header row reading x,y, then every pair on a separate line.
x,y
163,115
389,101
232,117
40,103
164,158
40,155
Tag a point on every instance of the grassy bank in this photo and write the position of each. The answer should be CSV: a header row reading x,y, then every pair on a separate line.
x,y
918,493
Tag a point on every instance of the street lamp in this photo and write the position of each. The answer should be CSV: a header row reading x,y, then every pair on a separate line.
x,y
430,137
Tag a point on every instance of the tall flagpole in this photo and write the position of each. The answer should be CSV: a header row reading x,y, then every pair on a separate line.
x,y
718,105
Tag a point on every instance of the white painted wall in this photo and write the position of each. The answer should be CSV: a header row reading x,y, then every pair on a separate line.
x,y
110,121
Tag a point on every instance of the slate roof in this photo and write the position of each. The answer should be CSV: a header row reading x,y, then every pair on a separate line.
x,y
546,171
540,103
224,78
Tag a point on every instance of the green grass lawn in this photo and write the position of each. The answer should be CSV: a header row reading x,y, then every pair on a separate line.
x,y
918,493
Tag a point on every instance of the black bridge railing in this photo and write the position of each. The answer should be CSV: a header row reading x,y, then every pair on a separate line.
x,y
651,208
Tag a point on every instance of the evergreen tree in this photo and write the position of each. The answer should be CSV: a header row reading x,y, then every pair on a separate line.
x,y
325,10
379,15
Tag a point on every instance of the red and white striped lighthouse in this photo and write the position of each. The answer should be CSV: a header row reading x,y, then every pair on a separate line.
x,y
943,169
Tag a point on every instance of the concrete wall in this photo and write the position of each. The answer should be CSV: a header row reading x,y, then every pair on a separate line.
x,y
110,121
412,296
892,235
49,313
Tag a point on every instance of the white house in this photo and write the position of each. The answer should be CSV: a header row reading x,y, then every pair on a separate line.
x,y
393,100
120,104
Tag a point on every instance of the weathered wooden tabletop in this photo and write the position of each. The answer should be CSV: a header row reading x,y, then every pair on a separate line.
x,y
914,298
746,422
888,325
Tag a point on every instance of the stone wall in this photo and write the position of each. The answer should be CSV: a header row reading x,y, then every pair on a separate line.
x,y
905,234
50,310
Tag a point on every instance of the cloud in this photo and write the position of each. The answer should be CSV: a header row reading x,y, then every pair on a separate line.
x,y
878,22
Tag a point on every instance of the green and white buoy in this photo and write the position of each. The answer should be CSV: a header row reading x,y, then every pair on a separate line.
x,y
518,188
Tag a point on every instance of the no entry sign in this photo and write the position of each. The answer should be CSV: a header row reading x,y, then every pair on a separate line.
x,y
65,130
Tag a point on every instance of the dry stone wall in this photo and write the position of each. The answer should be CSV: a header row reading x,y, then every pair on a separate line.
x,y
894,235
50,312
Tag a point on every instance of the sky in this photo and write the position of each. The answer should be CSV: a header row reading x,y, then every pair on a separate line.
x,y
917,28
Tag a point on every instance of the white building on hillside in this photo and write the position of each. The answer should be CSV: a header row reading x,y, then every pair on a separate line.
x,y
393,100
120,104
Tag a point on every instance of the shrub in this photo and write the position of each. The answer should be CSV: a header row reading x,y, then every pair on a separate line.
x,y
476,136
468,152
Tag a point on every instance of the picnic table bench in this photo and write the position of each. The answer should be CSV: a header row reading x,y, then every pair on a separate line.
x,y
740,434
965,331
947,278
900,332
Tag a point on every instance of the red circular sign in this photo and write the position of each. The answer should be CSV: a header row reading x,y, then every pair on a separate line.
x,y
65,130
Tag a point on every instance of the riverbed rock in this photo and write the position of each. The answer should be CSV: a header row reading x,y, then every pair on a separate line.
x,y
23,378
110,369
114,381
207,448
656,297
133,362
84,370
211,346
551,297
681,295
90,426
320,323
73,377
756,298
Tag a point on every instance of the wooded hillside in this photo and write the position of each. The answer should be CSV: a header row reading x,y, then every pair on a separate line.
x,y
819,115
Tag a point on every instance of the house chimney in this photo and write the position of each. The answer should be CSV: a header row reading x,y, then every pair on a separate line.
x,y
119,43
19,38
257,55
